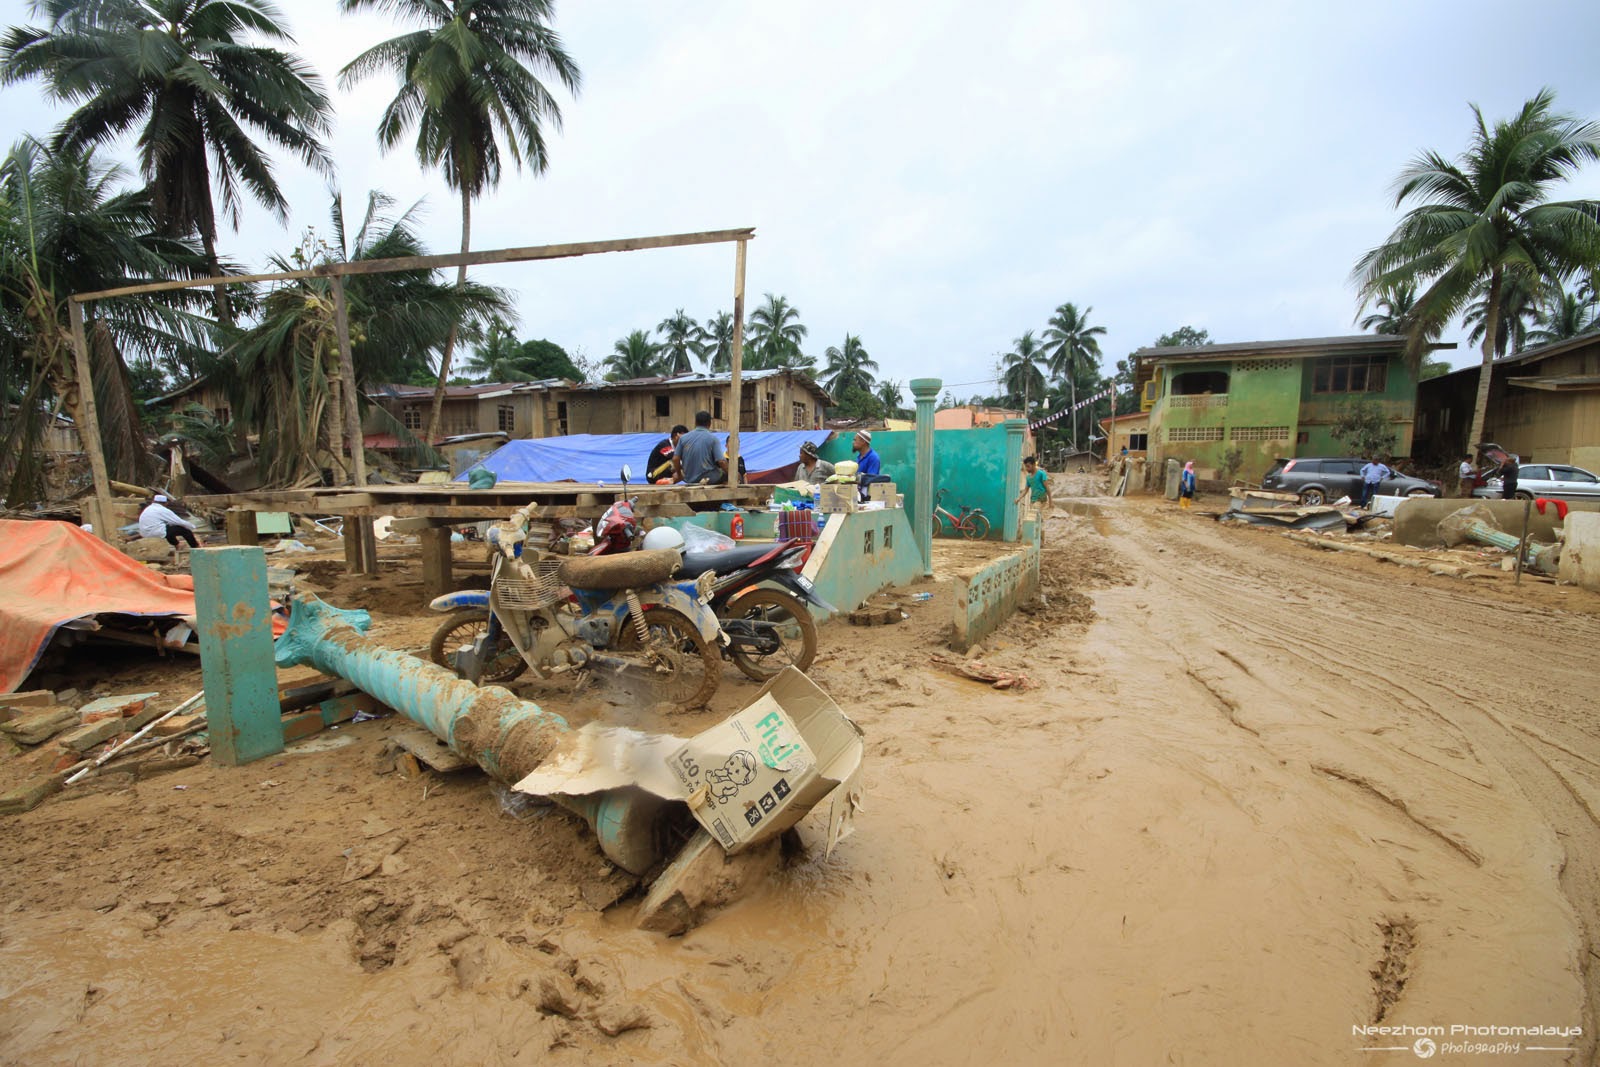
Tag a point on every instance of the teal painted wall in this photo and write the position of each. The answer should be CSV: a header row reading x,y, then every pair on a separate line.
x,y
969,463
860,553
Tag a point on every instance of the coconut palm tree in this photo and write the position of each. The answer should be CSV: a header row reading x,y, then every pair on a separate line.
x,y
1020,369
202,99
469,80
67,225
775,334
718,347
682,342
1484,220
1565,314
890,393
280,372
635,356
849,367
1070,344
497,356
1393,307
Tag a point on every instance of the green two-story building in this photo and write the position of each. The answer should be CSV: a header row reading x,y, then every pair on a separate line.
x,y
1269,399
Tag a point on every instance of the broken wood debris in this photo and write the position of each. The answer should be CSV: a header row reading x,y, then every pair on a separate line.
x,y
978,671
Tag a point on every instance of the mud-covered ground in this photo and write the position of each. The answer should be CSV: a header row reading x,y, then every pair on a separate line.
x,y
1259,796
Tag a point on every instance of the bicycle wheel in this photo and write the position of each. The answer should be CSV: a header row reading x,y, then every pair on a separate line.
x,y
939,529
687,669
462,630
779,619
976,527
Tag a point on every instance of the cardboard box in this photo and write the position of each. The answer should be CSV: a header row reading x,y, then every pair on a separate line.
x,y
884,491
747,779
758,773
834,499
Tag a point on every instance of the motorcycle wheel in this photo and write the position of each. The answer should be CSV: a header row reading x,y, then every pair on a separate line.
x,y
461,630
693,667
796,632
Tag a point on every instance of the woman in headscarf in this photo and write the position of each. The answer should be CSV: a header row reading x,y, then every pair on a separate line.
x,y
1186,482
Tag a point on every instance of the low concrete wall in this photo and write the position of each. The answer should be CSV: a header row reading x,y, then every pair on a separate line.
x,y
1580,559
861,552
987,598
1416,521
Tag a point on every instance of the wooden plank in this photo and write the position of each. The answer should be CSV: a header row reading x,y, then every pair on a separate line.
x,y
430,750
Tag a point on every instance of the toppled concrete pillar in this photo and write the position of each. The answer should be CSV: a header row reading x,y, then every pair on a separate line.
x,y
1580,560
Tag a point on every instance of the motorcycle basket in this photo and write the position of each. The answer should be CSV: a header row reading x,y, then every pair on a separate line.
x,y
532,594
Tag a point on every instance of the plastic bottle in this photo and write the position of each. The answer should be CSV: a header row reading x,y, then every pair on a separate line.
x,y
921,596
736,527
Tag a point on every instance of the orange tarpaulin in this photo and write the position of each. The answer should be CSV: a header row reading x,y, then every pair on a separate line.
x,y
53,572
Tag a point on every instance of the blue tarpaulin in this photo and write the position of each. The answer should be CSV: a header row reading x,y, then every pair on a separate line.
x,y
597,457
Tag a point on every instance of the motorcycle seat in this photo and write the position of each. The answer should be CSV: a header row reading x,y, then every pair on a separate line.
x,y
719,563
626,570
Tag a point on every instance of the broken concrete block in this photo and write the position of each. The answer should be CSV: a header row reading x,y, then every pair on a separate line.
x,y
40,724
119,706
27,796
89,735
33,698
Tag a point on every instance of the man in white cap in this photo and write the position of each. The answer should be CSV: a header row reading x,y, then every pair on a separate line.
x,y
867,462
158,520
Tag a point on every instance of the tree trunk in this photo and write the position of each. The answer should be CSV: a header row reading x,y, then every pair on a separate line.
x,y
1491,327
208,242
455,328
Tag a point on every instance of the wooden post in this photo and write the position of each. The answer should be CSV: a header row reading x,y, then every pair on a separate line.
x,y
240,524
89,424
436,577
736,364
236,665
369,542
347,371
1522,543
352,545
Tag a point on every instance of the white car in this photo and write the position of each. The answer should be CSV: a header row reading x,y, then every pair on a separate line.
x,y
1547,479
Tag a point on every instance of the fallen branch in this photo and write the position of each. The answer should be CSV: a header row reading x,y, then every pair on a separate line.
x,y
117,750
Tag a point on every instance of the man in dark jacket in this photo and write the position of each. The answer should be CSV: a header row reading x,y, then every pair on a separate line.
x,y
659,465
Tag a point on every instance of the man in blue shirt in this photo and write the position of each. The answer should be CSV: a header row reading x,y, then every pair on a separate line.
x,y
1371,475
700,455
867,461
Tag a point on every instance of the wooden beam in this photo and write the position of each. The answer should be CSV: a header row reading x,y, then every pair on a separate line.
x,y
455,259
89,431
534,252
736,365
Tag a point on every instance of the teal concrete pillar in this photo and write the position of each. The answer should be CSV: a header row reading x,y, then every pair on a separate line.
x,y
236,667
925,390
1012,526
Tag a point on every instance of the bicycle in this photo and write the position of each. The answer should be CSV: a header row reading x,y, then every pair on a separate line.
x,y
972,523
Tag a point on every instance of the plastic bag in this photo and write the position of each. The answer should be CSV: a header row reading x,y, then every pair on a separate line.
x,y
519,806
700,539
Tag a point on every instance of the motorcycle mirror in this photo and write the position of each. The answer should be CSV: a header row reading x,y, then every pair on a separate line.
x,y
627,472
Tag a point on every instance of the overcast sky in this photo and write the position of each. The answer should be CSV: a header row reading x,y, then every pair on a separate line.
x,y
937,177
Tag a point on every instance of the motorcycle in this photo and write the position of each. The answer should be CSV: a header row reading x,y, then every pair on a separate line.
x,y
767,628
560,614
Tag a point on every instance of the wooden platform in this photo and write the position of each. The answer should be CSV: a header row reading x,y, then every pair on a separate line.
x,y
454,502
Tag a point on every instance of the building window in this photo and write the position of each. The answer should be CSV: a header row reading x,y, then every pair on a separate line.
x,y
1200,382
1258,433
663,405
222,415
1351,374
772,410
561,417
716,408
1303,437
1138,442
1193,434
508,419
411,418
802,419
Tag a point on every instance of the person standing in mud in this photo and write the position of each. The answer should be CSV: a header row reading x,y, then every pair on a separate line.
x,y
1186,485
1468,475
1035,484
1507,472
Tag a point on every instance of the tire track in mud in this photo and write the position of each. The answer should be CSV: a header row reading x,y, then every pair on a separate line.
x,y
1486,712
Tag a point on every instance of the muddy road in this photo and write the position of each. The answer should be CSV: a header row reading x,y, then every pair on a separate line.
x,y
1261,796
